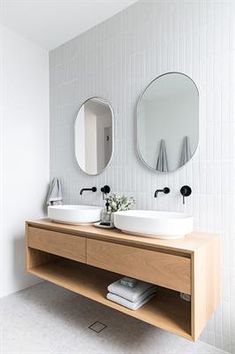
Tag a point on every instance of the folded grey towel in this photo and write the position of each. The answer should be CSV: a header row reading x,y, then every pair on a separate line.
x,y
128,282
129,304
185,152
162,162
132,294
54,196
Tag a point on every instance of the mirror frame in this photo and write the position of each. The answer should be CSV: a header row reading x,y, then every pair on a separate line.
x,y
136,122
74,134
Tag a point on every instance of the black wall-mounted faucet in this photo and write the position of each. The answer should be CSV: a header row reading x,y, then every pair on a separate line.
x,y
186,191
93,189
106,189
165,190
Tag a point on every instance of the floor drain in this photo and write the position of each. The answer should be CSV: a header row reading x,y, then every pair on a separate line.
x,y
97,327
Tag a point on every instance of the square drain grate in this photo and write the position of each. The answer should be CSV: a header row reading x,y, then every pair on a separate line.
x,y
97,327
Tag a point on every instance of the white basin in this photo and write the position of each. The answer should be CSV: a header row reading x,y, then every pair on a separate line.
x,y
159,224
74,214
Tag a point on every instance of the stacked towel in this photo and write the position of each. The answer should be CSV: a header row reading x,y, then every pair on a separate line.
x,y
131,297
128,282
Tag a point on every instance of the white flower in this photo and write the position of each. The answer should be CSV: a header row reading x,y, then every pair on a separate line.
x,y
119,202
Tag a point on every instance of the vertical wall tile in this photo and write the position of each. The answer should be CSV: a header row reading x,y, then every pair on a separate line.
x,y
116,60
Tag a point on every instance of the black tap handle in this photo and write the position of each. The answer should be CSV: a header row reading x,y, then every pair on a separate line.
x,y
186,191
106,189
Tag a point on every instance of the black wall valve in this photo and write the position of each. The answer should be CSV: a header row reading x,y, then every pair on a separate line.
x,y
186,191
105,190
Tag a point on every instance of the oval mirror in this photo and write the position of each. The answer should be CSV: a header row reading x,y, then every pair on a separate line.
x,y
168,122
94,135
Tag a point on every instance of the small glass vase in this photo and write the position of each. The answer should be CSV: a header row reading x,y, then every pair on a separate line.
x,y
107,217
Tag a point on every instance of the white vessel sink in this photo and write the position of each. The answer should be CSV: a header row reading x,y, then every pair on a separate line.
x,y
74,214
159,224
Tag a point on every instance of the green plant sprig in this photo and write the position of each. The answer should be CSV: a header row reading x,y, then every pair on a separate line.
x,y
119,202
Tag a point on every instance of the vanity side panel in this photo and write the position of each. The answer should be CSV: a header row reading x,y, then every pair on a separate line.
x,y
205,284
167,270
34,257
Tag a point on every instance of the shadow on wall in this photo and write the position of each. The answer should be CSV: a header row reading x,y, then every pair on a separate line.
x,y
14,275
20,278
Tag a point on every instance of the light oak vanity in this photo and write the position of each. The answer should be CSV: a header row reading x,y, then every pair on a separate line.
x,y
86,260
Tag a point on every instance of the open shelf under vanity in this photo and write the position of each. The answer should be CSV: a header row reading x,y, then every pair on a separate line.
x,y
86,261
166,310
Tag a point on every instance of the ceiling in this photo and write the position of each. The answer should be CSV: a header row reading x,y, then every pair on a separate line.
x,y
51,23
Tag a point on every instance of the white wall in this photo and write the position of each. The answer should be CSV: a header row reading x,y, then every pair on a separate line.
x,y
116,60
24,157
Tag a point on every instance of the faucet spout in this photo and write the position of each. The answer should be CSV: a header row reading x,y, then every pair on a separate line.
x,y
165,190
93,189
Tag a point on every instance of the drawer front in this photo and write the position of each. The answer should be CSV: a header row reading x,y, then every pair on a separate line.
x,y
64,245
167,270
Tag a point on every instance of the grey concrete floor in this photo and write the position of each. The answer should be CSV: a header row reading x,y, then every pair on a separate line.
x,y
46,319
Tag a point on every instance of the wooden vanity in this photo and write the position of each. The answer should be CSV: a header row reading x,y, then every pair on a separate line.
x,y
86,260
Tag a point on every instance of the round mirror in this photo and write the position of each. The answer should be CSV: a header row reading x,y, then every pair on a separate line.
x,y
94,135
168,122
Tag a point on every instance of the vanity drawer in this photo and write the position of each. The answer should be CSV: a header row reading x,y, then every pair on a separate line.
x,y
64,245
167,270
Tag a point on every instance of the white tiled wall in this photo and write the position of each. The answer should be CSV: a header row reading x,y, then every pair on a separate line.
x,y
116,60
24,150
